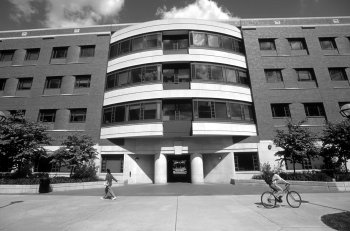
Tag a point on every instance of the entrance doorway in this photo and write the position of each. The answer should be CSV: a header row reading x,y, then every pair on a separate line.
x,y
179,168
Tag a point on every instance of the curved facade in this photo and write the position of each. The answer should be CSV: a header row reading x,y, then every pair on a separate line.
x,y
178,83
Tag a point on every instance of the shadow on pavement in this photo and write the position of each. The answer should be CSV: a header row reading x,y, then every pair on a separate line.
x,y
338,221
11,203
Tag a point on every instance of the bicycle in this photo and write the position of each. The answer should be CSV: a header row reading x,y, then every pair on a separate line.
x,y
269,200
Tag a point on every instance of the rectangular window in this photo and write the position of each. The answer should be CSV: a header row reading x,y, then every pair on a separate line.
x,y
47,116
213,40
125,47
134,112
123,78
149,111
314,110
337,74
220,110
137,44
217,73
151,73
82,81
6,55
226,43
53,82
199,39
153,40
204,109
113,50
24,83
78,115
274,76
59,52
32,54
246,161
305,75
87,51
267,44
280,110
112,81
328,44
119,114
136,75
112,162
2,84
202,71
236,111
297,44
248,112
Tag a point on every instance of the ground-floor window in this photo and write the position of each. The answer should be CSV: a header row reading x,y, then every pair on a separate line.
x,y
113,162
246,161
307,164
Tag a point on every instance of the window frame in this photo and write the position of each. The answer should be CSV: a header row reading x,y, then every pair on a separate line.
x,y
285,108
22,81
76,113
2,83
77,83
32,54
276,76
48,82
47,113
301,42
320,109
341,70
7,55
56,52
330,40
311,74
271,41
87,51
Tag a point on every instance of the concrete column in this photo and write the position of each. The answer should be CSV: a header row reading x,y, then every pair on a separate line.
x,y
160,169
197,176
62,119
67,86
73,54
11,87
18,57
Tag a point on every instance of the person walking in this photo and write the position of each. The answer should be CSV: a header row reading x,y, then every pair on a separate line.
x,y
108,184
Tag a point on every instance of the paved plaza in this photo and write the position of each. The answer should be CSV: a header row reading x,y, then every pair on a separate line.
x,y
172,207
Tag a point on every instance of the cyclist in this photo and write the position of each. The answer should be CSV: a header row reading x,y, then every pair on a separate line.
x,y
279,191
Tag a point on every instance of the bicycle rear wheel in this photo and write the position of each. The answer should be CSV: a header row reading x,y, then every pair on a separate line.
x,y
268,200
293,199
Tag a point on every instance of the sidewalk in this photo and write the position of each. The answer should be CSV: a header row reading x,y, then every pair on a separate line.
x,y
165,213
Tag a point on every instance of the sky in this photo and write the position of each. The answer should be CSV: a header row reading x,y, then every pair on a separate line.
x,y
34,14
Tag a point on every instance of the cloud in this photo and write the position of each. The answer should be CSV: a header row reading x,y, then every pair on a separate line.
x,y
69,13
23,9
200,9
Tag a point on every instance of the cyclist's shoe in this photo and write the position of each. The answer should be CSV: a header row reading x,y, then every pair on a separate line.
x,y
280,199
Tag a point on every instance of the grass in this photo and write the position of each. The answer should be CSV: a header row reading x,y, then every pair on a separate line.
x,y
337,221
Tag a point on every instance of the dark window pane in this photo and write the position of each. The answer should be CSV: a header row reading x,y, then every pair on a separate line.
x,y
2,84
220,110
111,81
230,75
82,81
153,40
24,84
151,73
53,82
235,111
204,109
267,44
150,111
137,44
87,51
124,47
216,73
337,74
47,116
227,43
305,75
314,109
119,114
59,52
107,115
78,115
6,55
32,54
328,44
112,162
280,110
136,75
202,71
134,112
273,76
123,78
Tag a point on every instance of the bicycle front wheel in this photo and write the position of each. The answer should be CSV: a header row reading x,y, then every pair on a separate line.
x,y
293,199
268,200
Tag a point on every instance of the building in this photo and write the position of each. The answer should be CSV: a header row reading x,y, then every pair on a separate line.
x,y
179,100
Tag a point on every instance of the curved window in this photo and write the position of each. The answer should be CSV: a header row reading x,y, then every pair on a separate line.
x,y
134,44
218,41
141,74
198,109
175,40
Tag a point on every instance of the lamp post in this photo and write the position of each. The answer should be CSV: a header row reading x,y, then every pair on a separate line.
x,y
345,110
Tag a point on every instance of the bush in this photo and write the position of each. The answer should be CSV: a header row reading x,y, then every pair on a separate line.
x,y
85,171
306,176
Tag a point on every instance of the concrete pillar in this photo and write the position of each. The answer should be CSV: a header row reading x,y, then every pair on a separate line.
x,y
18,57
11,87
62,119
197,175
160,169
73,54
67,86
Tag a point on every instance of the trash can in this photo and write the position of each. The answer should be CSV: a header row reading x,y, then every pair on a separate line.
x,y
44,185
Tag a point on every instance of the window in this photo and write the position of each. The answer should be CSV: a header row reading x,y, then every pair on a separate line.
x,y
305,74
199,39
2,84
267,44
337,74
24,83
59,52
273,76
328,44
112,162
32,54
246,161
78,115
53,82
280,110
297,44
314,109
47,116
6,55
87,51
82,81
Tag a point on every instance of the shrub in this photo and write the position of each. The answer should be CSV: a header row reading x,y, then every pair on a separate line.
x,y
85,171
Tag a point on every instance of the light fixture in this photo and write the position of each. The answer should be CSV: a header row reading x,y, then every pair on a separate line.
x,y
345,110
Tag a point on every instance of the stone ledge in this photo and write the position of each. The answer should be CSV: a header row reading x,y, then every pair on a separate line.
x,y
331,186
8,188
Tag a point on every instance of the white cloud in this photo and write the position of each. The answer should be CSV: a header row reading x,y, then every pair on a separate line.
x,y
70,13
200,9
23,9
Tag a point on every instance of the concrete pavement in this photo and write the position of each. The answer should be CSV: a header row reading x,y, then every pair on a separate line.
x,y
186,212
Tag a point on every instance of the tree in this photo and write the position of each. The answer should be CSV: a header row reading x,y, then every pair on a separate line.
x,y
297,143
76,152
22,141
336,142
